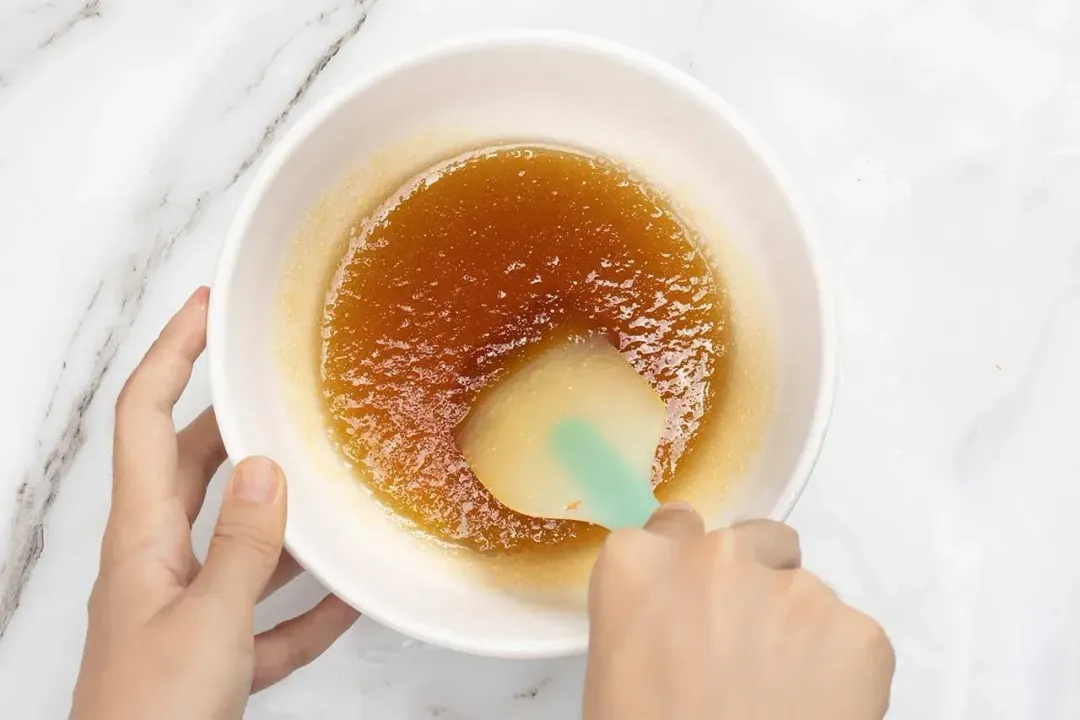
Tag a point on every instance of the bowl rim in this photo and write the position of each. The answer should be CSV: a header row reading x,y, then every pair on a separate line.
x,y
283,150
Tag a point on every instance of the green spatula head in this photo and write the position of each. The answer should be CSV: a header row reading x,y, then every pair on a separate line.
x,y
570,435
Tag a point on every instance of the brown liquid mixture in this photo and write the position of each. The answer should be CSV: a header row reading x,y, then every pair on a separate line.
x,y
468,273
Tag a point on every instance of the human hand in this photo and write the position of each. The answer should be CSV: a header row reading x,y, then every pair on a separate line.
x,y
725,626
168,638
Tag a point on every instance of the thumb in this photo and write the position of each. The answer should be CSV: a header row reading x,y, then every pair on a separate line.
x,y
247,539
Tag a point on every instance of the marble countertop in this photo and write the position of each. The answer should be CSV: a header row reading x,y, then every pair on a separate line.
x,y
938,144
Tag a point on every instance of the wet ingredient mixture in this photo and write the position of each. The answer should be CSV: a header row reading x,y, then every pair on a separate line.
x,y
473,268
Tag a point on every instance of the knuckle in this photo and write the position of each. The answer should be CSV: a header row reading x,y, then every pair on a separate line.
x,y
764,533
278,661
284,659
130,390
889,655
299,655
96,599
874,637
123,400
172,364
761,525
810,604
806,585
789,530
200,454
789,534
236,534
723,545
720,556
154,352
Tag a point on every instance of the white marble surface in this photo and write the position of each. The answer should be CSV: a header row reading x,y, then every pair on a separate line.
x,y
938,144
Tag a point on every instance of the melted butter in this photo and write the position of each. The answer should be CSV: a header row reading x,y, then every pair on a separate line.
x,y
471,270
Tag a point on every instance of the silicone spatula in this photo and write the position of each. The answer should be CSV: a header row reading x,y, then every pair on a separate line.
x,y
570,435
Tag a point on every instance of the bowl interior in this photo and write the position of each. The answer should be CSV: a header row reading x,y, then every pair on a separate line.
x,y
560,89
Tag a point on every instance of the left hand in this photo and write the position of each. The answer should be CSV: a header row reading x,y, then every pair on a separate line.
x,y
168,638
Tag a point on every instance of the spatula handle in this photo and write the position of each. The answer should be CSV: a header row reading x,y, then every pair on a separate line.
x,y
617,496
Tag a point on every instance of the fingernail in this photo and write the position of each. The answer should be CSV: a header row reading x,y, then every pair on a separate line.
x,y
677,520
677,506
256,481
673,509
200,297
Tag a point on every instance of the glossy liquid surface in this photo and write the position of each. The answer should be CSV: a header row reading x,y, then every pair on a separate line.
x,y
468,272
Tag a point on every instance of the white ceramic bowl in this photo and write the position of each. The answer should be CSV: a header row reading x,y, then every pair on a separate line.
x,y
551,87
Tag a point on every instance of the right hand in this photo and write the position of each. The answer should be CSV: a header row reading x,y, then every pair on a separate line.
x,y
725,625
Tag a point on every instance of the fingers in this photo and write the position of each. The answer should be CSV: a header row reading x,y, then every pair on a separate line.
x,y
676,521
246,544
771,543
626,567
629,556
201,452
295,643
286,571
144,451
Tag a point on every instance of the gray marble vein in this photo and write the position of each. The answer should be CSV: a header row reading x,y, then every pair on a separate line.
x,y
25,33
41,483
90,9
270,131
260,78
